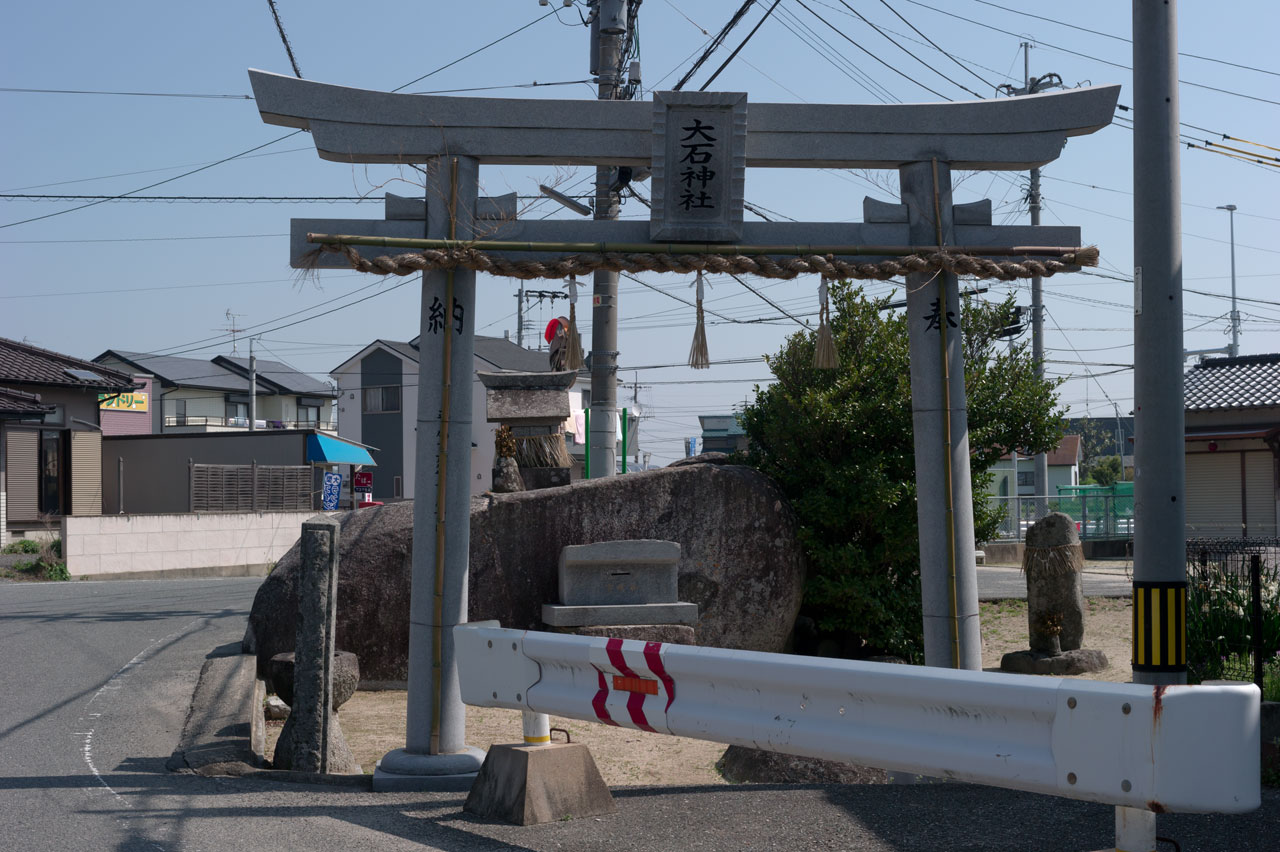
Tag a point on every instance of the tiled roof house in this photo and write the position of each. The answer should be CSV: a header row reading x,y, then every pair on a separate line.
x,y
50,435
1233,446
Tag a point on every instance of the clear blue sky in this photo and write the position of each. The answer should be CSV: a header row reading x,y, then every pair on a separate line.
x,y
161,277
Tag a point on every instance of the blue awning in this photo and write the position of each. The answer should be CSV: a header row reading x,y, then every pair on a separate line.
x,y
330,450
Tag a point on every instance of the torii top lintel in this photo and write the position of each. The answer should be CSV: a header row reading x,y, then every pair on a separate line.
x,y
361,126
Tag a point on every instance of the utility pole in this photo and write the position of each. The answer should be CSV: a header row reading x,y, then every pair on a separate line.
x,y
253,388
1159,549
608,31
520,316
1235,314
1032,85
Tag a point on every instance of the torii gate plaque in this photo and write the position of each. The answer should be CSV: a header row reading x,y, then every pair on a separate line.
x,y
454,136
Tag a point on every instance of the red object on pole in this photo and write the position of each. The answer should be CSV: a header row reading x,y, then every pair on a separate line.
x,y
552,328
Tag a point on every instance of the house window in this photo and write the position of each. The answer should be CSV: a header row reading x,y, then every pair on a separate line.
x,y
237,411
381,400
308,415
1026,477
179,412
52,465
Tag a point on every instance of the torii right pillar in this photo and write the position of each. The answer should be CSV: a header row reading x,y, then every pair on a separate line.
x,y
944,501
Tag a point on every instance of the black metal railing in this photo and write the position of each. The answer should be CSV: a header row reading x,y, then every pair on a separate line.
x,y
1233,610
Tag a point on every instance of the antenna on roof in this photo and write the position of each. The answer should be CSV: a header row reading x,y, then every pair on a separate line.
x,y
231,327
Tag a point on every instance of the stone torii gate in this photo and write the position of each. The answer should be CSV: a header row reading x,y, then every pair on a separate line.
x,y
697,145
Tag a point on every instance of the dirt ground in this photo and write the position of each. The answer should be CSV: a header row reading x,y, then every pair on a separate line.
x,y
374,722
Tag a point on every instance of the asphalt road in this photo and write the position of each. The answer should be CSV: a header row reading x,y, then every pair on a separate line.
x,y
97,677
997,583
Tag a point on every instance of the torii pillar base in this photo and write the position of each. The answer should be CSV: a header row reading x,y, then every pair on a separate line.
x,y
533,784
405,771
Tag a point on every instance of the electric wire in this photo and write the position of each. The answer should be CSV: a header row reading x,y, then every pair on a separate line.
x,y
895,43
1086,55
738,49
715,43
843,35
288,48
1122,38
937,47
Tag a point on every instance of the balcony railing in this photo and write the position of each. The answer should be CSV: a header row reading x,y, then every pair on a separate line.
x,y
187,420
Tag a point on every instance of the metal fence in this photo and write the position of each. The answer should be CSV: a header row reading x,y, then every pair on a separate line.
x,y
1097,516
1233,610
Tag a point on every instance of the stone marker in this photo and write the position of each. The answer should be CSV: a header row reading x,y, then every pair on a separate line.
x,y
1052,563
311,740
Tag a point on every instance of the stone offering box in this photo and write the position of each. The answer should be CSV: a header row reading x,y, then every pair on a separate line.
x,y
619,582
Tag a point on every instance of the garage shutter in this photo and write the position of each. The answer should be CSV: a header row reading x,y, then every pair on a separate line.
x,y
1213,495
1260,494
86,473
22,453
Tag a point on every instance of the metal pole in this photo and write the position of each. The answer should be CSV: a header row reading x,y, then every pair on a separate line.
x,y
1159,556
120,484
1159,464
1234,351
520,316
604,311
1037,308
253,388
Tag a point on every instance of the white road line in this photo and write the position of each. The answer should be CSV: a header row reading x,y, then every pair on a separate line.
x,y
113,684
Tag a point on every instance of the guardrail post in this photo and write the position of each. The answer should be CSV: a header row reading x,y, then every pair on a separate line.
x,y
537,728
1135,830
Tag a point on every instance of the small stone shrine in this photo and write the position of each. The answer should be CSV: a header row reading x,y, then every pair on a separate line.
x,y
533,406
622,589
1052,563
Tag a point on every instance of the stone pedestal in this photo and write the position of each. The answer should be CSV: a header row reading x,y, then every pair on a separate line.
x,y
628,584
528,785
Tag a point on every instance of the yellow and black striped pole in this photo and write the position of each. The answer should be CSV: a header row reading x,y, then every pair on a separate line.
x,y
1160,626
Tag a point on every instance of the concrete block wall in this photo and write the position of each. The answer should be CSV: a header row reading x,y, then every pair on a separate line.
x,y
208,544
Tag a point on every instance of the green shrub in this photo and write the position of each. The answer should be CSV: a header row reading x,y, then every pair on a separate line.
x,y
839,445
57,572
1219,622
22,545
39,569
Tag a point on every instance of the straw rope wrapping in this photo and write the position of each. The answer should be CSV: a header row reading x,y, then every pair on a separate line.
x,y
1053,561
699,359
764,266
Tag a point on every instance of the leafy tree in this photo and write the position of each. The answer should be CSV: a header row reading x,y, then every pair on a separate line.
x,y
839,444
1105,471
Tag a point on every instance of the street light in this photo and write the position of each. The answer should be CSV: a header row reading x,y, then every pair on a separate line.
x,y
1235,315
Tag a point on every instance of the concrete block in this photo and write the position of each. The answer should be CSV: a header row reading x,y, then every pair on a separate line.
x,y
588,616
74,545
113,563
79,566
145,523
147,561
641,571
529,785
176,560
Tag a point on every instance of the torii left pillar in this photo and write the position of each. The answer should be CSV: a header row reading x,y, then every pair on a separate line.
x,y
436,756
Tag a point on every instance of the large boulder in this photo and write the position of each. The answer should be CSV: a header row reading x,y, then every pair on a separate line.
x,y
740,561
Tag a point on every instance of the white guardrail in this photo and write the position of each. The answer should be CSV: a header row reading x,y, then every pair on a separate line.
x,y
1177,748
